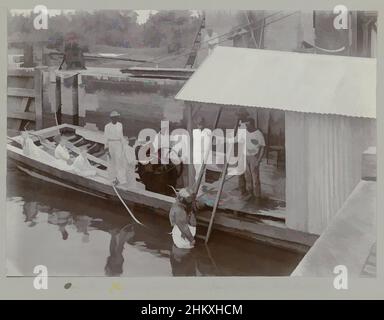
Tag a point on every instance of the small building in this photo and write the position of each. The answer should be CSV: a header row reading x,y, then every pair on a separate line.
x,y
329,106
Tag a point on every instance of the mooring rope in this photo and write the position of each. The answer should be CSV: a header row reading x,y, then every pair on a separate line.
x,y
126,207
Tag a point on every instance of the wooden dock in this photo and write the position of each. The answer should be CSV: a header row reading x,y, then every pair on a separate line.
x,y
24,98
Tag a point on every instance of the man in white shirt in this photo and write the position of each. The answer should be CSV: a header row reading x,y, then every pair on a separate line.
x,y
254,145
211,39
114,140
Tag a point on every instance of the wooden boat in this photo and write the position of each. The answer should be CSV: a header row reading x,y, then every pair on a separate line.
x,y
254,228
99,185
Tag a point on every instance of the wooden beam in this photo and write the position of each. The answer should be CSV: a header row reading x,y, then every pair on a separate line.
x,y
21,92
251,28
20,73
38,85
22,115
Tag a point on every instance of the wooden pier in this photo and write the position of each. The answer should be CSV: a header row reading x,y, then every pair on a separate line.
x,y
25,98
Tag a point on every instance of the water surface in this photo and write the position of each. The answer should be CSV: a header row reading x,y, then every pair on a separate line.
x,y
75,234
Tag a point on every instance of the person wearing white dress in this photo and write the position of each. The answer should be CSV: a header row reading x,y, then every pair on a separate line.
x,y
33,151
63,158
114,140
81,165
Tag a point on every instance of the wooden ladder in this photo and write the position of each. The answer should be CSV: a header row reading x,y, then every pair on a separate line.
x,y
222,180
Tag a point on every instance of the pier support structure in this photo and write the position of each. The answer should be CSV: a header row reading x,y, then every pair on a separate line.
x,y
67,97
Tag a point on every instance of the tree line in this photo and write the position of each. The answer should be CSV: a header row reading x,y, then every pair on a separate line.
x,y
174,29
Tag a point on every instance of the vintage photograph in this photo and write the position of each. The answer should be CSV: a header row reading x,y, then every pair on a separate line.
x,y
191,143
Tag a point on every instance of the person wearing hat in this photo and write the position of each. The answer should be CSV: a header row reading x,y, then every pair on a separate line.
x,y
73,54
254,152
183,220
114,140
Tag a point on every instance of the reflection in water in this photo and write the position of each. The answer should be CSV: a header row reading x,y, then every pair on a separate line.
x,y
61,219
30,211
77,234
114,266
182,262
82,224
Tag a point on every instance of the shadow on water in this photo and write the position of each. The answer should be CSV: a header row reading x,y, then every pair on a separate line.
x,y
73,213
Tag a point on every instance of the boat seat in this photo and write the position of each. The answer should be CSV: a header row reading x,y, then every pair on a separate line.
x,y
74,138
82,142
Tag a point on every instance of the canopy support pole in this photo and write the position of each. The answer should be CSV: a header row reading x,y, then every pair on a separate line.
x,y
204,165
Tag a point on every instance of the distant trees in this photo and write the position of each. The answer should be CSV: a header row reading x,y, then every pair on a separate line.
x,y
119,28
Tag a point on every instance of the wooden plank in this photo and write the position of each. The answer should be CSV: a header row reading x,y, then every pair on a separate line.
x,y
21,73
22,115
21,92
251,28
24,104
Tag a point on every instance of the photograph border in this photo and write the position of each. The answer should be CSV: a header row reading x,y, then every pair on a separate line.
x,y
196,287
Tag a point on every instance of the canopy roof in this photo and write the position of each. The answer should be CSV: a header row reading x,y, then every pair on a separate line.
x,y
291,81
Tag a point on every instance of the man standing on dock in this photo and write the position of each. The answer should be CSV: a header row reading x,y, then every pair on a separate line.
x,y
254,145
114,140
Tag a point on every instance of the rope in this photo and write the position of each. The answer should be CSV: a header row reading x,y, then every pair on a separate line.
x,y
131,213
125,205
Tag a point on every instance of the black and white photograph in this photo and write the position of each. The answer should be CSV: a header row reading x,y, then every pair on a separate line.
x,y
188,143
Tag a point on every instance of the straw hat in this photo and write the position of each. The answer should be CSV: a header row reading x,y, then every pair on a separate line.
x,y
114,114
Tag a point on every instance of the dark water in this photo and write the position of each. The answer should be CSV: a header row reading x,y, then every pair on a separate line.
x,y
76,234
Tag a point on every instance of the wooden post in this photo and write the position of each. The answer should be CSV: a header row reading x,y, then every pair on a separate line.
x,y
251,29
191,169
58,99
75,99
38,86
70,98
28,55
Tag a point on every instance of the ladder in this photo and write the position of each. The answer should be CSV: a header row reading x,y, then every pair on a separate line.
x,y
222,180
196,44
